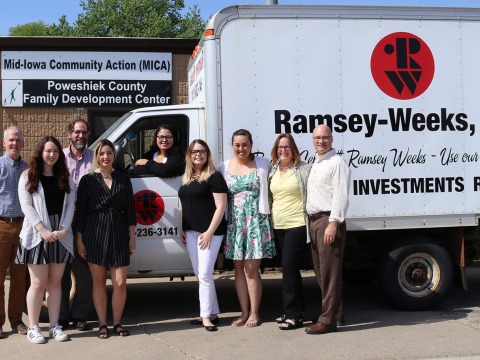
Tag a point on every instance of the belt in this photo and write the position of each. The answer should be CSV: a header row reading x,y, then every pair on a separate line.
x,y
11,219
316,216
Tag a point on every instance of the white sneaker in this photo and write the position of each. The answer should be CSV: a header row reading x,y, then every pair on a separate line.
x,y
34,335
57,333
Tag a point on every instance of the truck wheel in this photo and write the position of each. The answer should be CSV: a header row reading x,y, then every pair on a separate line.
x,y
416,276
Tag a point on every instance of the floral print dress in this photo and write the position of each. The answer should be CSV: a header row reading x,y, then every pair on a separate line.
x,y
249,234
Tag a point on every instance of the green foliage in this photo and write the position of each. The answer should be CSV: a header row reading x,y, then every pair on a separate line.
x,y
38,28
62,29
192,25
129,18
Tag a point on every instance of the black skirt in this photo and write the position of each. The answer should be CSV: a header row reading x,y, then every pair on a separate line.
x,y
45,252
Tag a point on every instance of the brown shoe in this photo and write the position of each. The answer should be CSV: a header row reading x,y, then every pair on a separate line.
x,y
2,334
320,328
20,328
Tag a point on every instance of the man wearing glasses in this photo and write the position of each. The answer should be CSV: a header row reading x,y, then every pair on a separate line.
x,y
79,161
327,203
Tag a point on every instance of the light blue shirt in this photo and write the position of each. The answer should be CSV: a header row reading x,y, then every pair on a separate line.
x,y
10,172
78,167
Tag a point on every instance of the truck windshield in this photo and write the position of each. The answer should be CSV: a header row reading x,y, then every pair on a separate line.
x,y
111,129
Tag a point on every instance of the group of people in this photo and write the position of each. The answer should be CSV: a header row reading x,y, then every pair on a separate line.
x,y
290,203
63,194
246,203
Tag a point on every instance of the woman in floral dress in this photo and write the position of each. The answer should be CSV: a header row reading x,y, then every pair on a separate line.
x,y
249,234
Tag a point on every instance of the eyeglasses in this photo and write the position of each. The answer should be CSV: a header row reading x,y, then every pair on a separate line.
x,y
198,152
166,138
286,147
78,132
322,138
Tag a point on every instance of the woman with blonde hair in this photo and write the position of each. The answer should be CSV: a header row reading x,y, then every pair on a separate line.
x,y
203,195
106,233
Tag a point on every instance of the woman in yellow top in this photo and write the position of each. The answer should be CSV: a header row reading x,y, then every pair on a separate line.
x,y
288,195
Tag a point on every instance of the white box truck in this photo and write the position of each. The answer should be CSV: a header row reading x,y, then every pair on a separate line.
x,y
400,89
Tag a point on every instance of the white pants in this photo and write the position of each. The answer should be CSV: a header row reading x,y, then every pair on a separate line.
x,y
203,262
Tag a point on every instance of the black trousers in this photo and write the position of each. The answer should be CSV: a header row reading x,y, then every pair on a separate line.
x,y
292,245
81,305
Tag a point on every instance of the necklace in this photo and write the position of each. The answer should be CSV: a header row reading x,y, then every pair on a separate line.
x,y
106,175
195,176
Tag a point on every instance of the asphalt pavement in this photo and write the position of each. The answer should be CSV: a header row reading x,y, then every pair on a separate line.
x,y
158,314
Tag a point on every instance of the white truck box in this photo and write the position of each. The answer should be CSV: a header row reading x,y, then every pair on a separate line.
x,y
400,89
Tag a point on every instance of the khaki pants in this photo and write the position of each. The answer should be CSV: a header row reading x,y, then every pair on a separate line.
x,y
9,240
328,264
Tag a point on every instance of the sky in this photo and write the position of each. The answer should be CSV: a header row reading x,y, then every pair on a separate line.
x,y
19,12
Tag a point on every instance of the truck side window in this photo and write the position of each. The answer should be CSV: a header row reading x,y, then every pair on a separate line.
x,y
140,137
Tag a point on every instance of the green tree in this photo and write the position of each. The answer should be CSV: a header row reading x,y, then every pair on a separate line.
x,y
37,28
138,18
123,18
62,29
192,25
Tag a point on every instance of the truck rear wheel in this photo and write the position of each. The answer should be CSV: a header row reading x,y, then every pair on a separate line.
x,y
416,275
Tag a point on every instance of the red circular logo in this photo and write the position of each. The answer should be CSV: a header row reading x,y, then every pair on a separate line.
x,y
149,207
402,65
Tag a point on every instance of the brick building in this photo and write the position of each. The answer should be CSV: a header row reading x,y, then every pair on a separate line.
x,y
33,63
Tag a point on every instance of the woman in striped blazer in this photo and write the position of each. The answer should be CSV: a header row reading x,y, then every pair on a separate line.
x,y
106,233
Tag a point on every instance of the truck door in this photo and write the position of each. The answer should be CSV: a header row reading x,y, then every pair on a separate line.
x,y
159,250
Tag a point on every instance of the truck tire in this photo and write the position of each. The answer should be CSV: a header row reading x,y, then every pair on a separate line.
x,y
416,275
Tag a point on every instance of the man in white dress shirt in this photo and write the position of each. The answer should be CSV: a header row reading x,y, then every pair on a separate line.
x,y
327,203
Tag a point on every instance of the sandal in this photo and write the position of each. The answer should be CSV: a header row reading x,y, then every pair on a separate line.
x,y
103,334
281,319
120,330
290,324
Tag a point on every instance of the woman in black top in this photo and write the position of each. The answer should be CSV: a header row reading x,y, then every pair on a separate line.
x,y
203,195
163,159
106,232
47,198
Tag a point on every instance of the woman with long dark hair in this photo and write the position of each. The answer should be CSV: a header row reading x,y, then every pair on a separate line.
x,y
47,199
164,158
249,234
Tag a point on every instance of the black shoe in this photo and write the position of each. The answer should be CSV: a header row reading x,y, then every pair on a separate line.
x,y
63,323
200,322
211,328
81,325
19,328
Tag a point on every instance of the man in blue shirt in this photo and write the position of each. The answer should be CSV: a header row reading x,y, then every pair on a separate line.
x,y
11,219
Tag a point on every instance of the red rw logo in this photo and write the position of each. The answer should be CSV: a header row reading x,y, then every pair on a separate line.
x,y
402,65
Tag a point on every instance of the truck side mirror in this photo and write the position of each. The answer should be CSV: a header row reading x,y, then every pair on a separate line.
x,y
119,162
